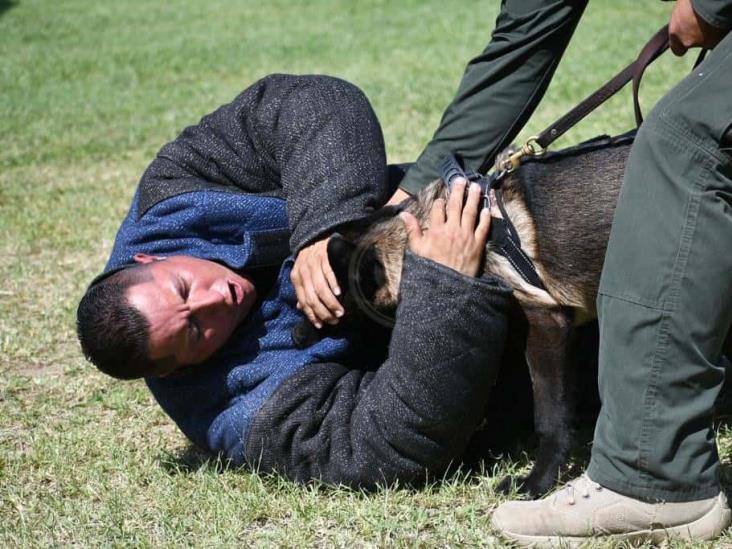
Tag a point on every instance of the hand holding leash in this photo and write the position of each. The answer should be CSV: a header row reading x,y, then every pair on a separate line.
x,y
453,238
687,29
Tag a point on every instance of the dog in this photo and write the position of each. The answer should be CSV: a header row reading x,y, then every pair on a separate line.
x,y
562,208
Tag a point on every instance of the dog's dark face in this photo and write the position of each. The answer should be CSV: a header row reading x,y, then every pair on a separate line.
x,y
359,272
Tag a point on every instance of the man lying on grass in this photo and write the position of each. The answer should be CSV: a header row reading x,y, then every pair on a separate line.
x,y
223,253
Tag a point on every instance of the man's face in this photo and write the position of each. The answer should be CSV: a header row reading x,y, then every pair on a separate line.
x,y
192,305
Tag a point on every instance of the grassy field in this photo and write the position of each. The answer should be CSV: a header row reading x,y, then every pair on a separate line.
x,y
88,92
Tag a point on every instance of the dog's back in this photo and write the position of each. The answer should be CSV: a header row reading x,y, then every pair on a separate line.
x,y
570,197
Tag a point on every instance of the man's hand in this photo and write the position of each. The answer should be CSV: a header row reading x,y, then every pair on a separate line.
x,y
316,285
453,239
687,30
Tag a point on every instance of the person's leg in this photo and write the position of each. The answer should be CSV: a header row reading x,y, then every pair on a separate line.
x,y
665,306
665,301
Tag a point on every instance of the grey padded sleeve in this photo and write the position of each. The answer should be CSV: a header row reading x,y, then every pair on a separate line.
x,y
412,416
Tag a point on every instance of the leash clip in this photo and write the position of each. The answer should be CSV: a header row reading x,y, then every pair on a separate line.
x,y
513,162
529,149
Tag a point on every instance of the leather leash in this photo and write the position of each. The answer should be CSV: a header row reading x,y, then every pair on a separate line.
x,y
537,145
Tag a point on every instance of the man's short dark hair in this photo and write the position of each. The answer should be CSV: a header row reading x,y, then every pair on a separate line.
x,y
114,335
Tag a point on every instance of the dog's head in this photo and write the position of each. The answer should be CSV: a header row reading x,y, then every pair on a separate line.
x,y
367,256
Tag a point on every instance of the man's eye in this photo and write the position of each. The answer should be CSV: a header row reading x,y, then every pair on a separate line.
x,y
183,288
194,329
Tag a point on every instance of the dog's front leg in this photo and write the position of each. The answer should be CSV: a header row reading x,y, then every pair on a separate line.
x,y
552,377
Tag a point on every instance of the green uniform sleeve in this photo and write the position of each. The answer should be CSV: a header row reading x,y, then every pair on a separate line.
x,y
501,87
715,12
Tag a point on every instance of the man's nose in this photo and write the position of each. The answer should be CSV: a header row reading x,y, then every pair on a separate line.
x,y
209,300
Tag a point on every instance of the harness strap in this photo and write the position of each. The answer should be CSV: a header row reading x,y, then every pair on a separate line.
x,y
506,239
450,169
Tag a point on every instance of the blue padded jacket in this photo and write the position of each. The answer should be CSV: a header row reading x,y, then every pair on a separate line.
x,y
289,160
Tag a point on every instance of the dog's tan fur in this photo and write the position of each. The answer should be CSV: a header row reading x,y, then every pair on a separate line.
x,y
389,239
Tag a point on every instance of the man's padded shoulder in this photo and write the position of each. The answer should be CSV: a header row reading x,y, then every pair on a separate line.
x,y
240,231
234,149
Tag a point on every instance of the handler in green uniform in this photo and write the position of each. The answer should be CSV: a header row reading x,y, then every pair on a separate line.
x,y
665,301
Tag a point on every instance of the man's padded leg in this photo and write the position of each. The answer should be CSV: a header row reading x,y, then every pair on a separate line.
x,y
664,311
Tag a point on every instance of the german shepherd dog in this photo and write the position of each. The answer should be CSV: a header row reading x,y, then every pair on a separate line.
x,y
562,207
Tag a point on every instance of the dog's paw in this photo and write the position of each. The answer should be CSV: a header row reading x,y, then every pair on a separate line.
x,y
507,485
533,489
524,486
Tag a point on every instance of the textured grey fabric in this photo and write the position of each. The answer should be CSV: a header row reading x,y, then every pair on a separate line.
x,y
413,415
313,140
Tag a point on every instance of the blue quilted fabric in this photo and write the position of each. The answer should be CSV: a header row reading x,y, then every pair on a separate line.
x,y
239,230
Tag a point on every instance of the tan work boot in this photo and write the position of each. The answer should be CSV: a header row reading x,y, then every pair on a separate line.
x,y
583,509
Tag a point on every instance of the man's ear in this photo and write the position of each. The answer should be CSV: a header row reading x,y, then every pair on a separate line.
x,y
145,258
340,252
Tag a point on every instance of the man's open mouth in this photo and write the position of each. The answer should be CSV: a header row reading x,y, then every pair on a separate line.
x,y
237,293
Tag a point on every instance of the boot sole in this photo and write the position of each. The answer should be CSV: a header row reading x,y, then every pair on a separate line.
x,y
708,526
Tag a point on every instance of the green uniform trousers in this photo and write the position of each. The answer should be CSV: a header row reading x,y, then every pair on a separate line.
x,y
665,300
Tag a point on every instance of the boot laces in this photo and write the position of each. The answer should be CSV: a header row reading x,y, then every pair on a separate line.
x,y
582,485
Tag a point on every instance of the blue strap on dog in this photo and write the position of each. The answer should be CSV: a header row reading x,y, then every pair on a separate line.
x,y
503,234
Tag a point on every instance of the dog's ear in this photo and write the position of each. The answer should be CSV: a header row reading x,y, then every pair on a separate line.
x,y
340,252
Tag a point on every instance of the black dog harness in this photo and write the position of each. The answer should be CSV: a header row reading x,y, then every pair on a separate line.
x,y
503,234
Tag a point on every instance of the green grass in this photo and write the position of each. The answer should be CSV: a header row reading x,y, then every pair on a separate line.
x,y
88,92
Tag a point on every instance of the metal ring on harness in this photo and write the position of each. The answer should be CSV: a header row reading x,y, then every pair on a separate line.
x,y
533,148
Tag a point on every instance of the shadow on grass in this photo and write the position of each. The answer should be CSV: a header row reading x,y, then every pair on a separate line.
x,y
191,459
510,438
6,5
